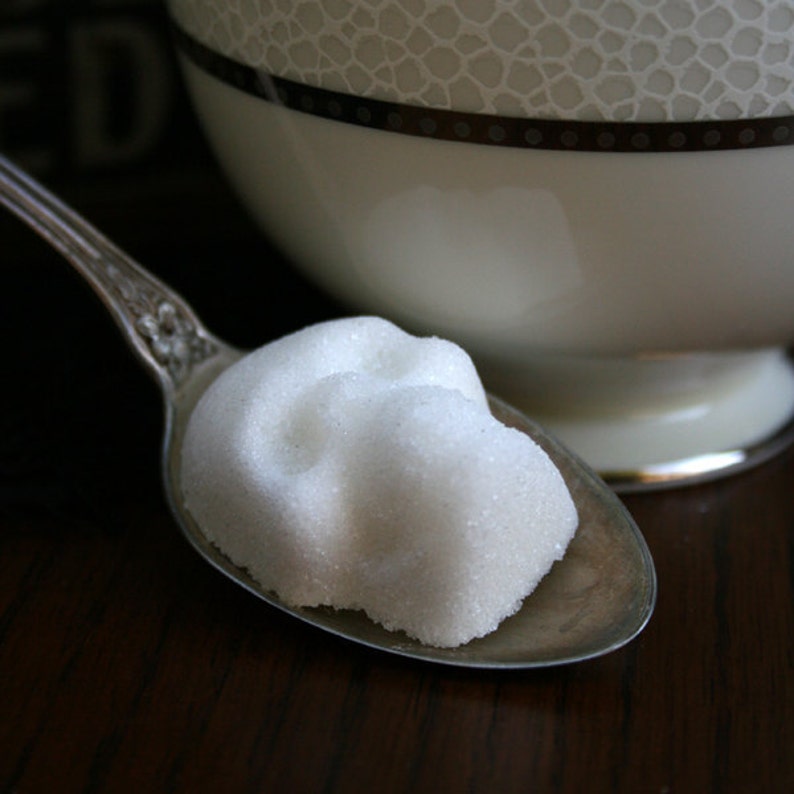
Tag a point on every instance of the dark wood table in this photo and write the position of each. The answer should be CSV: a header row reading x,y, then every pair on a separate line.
x,y
128,665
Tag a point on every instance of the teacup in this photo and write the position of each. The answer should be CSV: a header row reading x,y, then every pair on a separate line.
x,y
593,198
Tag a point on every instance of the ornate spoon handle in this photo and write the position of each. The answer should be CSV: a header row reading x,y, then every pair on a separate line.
x,y
159,326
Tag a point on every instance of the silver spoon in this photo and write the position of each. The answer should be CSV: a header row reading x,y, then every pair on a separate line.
x,y
598,598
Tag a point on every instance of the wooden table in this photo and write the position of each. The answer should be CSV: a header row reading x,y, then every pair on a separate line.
x,y
128,665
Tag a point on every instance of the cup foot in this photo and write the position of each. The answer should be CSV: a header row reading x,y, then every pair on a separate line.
x,y
659,421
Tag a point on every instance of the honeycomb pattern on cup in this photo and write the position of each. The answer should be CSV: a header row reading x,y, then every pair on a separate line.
x,y
588,60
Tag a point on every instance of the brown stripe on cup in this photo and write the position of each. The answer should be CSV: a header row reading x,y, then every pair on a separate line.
x,y
493,130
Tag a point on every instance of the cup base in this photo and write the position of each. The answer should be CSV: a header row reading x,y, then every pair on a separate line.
x,y
662,421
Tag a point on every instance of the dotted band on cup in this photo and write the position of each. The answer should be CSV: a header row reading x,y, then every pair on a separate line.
x,y
590,136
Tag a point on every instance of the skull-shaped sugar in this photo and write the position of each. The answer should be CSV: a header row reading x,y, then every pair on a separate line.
x,y
353,465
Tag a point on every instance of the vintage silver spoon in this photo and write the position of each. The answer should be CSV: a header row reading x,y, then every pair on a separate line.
x,y
598,598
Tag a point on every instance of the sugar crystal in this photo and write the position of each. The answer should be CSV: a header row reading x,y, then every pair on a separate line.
x,y
353,465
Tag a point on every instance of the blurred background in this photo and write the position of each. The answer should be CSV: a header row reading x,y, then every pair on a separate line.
x,y
92,103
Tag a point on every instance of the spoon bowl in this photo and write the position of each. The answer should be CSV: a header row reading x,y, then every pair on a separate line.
x,y
595,600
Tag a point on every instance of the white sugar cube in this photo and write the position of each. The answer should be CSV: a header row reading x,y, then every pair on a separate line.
x,y
353,465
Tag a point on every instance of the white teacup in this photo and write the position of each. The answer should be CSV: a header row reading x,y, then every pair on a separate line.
x,y
595,199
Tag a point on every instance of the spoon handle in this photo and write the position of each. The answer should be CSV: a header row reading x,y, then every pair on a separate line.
x,y
159,326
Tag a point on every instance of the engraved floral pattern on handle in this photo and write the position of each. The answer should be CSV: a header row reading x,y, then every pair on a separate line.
x,y
173,337
158,325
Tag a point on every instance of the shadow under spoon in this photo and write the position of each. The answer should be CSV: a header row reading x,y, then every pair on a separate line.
x,y
595,600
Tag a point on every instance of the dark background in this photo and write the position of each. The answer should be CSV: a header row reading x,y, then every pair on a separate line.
x,y
129,665
91,102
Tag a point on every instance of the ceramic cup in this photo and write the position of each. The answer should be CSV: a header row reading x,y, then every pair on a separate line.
x,y
593,197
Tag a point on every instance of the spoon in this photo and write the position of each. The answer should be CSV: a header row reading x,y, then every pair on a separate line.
x,y
595,600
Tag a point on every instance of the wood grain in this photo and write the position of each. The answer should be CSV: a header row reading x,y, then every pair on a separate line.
x,y
128,665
